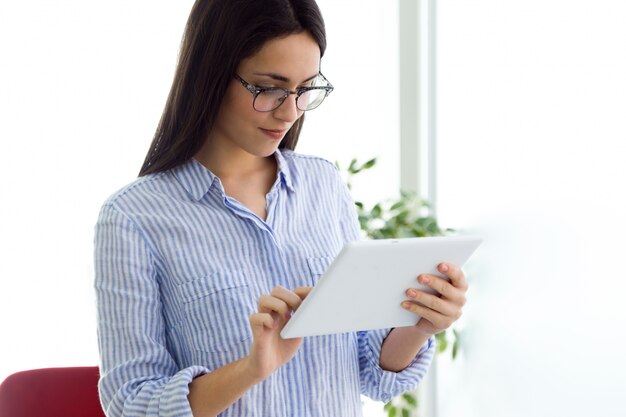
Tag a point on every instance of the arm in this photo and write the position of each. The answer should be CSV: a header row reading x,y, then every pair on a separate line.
x,y
402,351
400,348
139,375
212,393
390,363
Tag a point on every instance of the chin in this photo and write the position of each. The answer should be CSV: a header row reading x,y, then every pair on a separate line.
x,y
263,152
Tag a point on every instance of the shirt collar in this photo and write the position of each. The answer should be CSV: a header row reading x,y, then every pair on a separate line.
x,y
284,170
197,179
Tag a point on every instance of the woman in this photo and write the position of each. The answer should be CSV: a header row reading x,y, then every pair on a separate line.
x,y
200,261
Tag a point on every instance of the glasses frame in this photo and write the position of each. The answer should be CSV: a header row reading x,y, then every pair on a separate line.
x,y
256,90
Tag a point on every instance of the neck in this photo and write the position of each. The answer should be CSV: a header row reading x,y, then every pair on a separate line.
x,y
230,162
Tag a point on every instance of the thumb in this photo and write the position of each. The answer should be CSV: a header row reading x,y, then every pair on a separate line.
x,y
302,292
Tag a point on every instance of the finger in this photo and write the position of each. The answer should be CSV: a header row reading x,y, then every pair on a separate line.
x,y
435,303
456,274
292,299
269,304
260,320
438,320
443,287
303,292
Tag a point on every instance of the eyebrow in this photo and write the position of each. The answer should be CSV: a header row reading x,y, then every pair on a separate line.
x,y
278,77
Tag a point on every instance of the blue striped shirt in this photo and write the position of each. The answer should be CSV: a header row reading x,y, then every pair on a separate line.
x,y
179,268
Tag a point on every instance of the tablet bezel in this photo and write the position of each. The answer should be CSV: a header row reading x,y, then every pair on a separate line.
x,y
347,296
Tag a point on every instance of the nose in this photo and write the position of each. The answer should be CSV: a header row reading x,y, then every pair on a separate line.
x,y
288,111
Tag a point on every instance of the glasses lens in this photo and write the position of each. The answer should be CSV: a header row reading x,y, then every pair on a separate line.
x,y
268,100
311,99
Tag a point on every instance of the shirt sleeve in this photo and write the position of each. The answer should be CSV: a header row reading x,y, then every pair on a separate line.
x,y
382,385
138,375
377,383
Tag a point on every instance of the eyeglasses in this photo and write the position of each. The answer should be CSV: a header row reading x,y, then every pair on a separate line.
x,y
270,98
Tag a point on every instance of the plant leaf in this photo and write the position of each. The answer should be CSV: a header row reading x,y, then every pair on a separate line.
x,y
369,164
410,399
397,205
351,167
377,210
441,347
442,342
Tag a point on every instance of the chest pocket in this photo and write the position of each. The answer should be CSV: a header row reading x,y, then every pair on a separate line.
x,y
217,310
317,267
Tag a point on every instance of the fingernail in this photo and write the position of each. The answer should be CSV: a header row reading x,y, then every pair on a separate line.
x,y
425,280
411,293
406,304
444,268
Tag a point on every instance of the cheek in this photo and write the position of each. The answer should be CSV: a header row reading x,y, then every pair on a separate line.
x,y
239,110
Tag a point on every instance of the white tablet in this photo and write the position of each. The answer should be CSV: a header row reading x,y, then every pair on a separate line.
x,y
366,283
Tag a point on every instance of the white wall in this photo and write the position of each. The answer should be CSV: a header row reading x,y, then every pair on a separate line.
x,y
82,86
532,143
360,118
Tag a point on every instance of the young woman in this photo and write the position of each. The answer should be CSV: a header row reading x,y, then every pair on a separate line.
x,y
200,261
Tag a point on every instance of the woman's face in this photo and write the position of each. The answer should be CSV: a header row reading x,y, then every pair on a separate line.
x,y
287,62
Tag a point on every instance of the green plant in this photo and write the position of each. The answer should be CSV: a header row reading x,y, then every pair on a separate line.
x,y
406,216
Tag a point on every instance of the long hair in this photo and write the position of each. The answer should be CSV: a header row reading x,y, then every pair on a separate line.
x,y
219,34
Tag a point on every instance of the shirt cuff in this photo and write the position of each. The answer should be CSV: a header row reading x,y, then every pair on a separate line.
x,y
394,383
177,388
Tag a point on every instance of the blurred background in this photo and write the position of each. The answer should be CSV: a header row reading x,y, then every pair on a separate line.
x,y
510,117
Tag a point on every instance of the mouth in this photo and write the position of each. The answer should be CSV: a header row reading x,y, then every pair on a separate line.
x,y
275,134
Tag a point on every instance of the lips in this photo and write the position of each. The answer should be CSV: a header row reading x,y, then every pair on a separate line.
x,y
274,133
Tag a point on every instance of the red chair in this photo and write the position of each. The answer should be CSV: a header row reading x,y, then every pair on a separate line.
x,y
51,392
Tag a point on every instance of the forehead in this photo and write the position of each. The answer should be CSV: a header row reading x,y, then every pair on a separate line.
x,y
295,56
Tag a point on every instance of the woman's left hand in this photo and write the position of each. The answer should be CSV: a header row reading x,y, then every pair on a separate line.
x,y
440,310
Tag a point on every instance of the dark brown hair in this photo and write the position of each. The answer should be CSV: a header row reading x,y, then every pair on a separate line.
x,y
218,36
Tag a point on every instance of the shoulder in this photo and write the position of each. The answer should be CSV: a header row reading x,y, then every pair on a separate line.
x,y
316,176
140,192
302,164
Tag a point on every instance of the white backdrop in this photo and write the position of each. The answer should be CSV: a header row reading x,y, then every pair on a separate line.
x,y
532,144
82,86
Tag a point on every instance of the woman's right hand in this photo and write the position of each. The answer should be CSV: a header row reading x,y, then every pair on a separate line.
x,y
269,351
